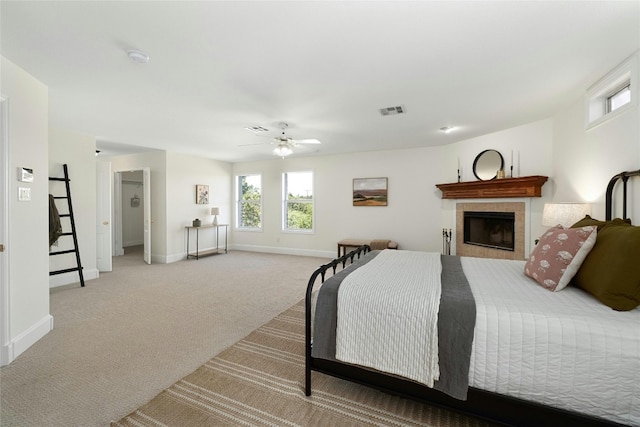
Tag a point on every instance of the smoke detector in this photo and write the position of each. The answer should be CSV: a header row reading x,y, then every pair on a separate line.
x,y
138,56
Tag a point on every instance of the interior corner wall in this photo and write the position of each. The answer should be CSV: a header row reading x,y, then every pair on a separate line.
x,y
529,145
184,172
584,161
77,151
156,161
27,244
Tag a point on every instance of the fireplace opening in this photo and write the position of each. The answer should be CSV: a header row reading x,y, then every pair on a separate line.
x,y
490,229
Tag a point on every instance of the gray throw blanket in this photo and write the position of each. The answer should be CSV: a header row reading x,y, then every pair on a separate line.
x,y
55,228
456,323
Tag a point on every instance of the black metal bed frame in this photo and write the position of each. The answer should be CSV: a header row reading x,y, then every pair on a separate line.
x,y
480,403
624,176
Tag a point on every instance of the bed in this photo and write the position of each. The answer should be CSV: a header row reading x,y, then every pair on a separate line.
x,y
535,357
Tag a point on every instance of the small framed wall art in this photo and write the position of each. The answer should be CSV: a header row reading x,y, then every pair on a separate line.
x,y
370,192
202,194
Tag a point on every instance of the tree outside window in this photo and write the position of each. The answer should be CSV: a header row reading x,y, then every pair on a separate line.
x,y
249,202
297,201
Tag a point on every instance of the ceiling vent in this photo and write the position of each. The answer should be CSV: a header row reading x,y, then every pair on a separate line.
x,y
392,111
257,129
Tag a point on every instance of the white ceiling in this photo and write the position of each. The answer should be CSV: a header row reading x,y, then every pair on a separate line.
x,y
326,68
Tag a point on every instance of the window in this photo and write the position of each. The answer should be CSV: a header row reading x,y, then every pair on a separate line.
x,y
297,196
613,94
249,202
619,98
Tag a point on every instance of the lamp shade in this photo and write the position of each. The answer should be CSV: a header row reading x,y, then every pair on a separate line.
x,y
565,214
215,211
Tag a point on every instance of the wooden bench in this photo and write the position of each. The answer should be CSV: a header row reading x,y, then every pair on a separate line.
x,y
355,243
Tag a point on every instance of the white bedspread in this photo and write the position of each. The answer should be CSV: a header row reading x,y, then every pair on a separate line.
x,y
370,314
563,349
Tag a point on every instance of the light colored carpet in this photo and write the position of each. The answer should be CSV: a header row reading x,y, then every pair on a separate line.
x,y
135,331
259,381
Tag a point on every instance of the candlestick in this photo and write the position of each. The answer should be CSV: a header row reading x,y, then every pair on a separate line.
x,y
511,163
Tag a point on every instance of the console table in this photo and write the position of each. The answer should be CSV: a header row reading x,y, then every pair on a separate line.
x,y
214,251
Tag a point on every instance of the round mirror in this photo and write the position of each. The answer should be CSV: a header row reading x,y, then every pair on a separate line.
x,y
487,164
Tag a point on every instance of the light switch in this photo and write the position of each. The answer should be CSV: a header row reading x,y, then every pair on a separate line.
x,y
24,194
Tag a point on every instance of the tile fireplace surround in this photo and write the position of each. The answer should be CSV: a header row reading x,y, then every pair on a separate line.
x,y
518,208
522,188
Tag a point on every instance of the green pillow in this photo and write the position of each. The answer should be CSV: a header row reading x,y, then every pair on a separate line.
x,y
587,220
611,271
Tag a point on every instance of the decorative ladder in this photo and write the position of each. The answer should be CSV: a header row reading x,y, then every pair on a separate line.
x,y
72,233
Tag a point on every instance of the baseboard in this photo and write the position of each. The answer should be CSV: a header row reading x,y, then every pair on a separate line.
x,y
72,277
256,248
159,259
284,251
22,342
132,243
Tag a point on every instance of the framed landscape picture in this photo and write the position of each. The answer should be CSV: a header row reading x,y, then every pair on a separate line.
x,y
370,192
202,194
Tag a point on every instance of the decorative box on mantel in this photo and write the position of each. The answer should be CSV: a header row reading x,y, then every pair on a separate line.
x,y
527,186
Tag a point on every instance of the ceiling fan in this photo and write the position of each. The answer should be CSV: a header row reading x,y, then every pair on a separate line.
x,y
285,145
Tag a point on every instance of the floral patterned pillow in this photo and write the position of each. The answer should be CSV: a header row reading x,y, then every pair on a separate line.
x,y
559,255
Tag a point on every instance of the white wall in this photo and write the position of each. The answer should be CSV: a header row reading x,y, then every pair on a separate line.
x,y
584,161
27,244
409,218
531,146
184,172
173,180
415,214
156,162
78,152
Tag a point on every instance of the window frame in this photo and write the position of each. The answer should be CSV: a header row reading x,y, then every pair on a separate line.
x,y
284,225
239,201
597,98
614,93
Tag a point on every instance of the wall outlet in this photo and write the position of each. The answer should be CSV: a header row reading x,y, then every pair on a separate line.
x,y
24,194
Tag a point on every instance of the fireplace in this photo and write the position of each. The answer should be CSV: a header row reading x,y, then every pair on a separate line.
x,y
495,229
489,229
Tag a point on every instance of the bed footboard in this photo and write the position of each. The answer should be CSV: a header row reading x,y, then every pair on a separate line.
x,y
321,272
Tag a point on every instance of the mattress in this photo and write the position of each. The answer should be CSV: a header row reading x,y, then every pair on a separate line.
x,y
563,349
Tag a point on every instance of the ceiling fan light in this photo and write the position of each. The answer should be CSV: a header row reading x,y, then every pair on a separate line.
x,y
282,150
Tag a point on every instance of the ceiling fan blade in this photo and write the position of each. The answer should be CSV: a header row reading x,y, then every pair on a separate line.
x,y
254,143
307,141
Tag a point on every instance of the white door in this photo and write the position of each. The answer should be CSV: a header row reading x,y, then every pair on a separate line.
x,y
103,216
5,356
118,249
146,183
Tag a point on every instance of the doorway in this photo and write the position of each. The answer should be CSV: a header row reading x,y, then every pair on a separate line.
x,y
132,195
132,214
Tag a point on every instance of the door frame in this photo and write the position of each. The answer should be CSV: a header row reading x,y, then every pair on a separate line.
x,y
6,353
118,249
104,252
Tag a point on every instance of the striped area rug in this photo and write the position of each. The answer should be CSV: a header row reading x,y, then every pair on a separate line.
x,y
259,381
